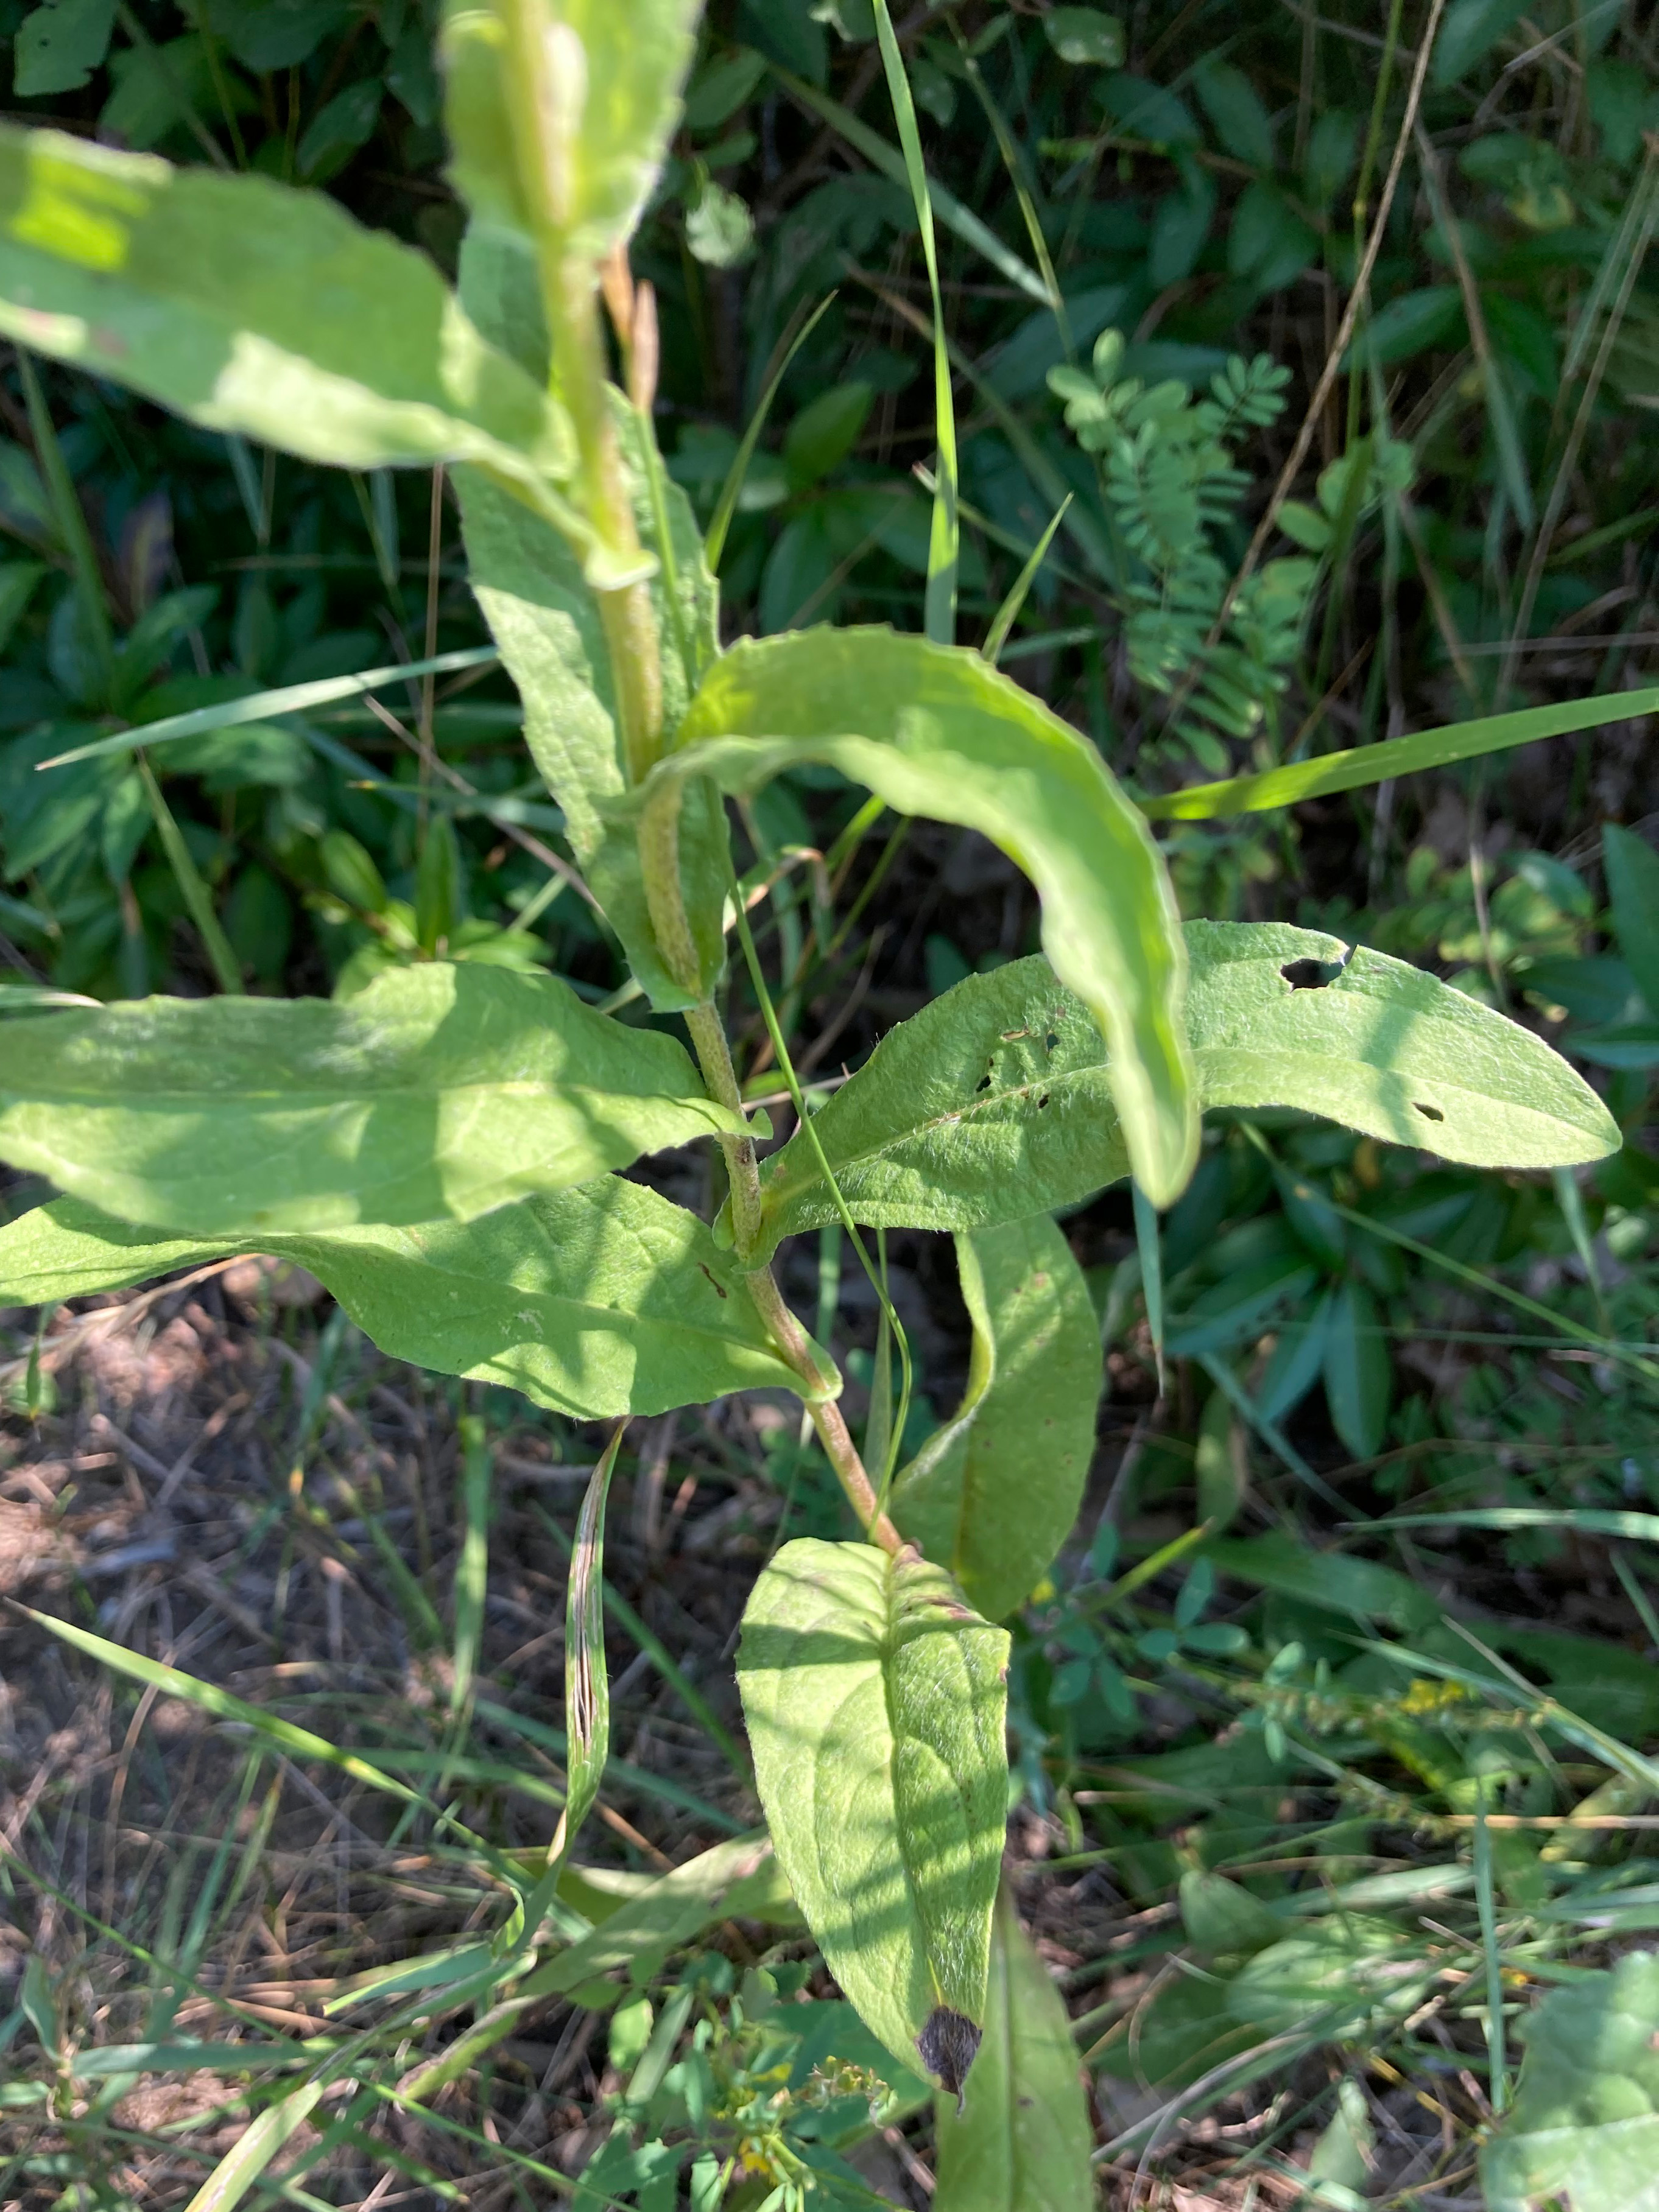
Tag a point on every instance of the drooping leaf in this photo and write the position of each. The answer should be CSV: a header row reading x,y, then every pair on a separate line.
x,y
610,77
1022,2140
875,1701
601,1301
437,1090
1584,2125
934,730
991,1104
739,1879
249,307
993,1493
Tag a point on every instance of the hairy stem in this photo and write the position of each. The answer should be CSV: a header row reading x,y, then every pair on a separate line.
x,y
714,1057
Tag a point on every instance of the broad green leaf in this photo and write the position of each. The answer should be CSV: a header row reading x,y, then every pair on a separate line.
x,y
1632,873
58,45
935,731
1339,1980
1470,30
248,307
597,1302
1022,2140
1364,764
875,1701
992,1495
437,1090
1331,1580
1584,2125
606,80
992,1102
1383,1048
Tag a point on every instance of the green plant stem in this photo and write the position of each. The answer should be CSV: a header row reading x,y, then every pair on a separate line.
x,y
226,967
571,294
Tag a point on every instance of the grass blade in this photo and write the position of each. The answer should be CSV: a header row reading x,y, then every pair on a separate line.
x,y
263,706
1424,749
472,1567
1008,613
944,545
714,544
298,1742
226,967
235,2175
881,156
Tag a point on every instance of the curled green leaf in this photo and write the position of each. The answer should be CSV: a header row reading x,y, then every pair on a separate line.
x,y
934,730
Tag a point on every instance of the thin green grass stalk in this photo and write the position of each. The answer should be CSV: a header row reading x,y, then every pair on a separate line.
x,y
944,544
70,517
786,1068
1637,1596
1019,177
1486,1907
714,544
472,1562
1270,1431
226,968
1008,613
1150,1245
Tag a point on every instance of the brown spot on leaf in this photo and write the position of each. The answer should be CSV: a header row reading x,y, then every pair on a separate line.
x,y
947,2043
719,1289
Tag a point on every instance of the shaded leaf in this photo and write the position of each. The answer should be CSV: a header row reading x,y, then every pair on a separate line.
x,y
597,1302
436,1090
875,1701
246,306
1358,1371
935,732
1584,2124
1022,2140
60,45
1632,873
993,1494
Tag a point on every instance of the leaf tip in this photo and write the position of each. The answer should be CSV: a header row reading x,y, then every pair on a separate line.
x,y
947,2044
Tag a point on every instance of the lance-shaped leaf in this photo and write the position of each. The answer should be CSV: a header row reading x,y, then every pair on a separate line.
x,y
436,1090
992,1102
597,1302
1022,2140
935,731
874,1700
249,307
598,86
993,1493
1292,1018
1584,2125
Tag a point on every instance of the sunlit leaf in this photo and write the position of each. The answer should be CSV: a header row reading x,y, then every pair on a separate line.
x,y
874,1702
1584,2125
935,732
1022,2140
597,1302
993,1493
436,1090
249,307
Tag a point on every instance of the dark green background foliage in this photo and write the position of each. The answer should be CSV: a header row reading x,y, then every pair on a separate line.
x,y
1149,226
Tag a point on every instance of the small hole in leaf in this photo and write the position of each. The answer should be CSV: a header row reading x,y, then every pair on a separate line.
x,y
1429,1113
1305,975
983,1083
1049,1042
1043,1100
